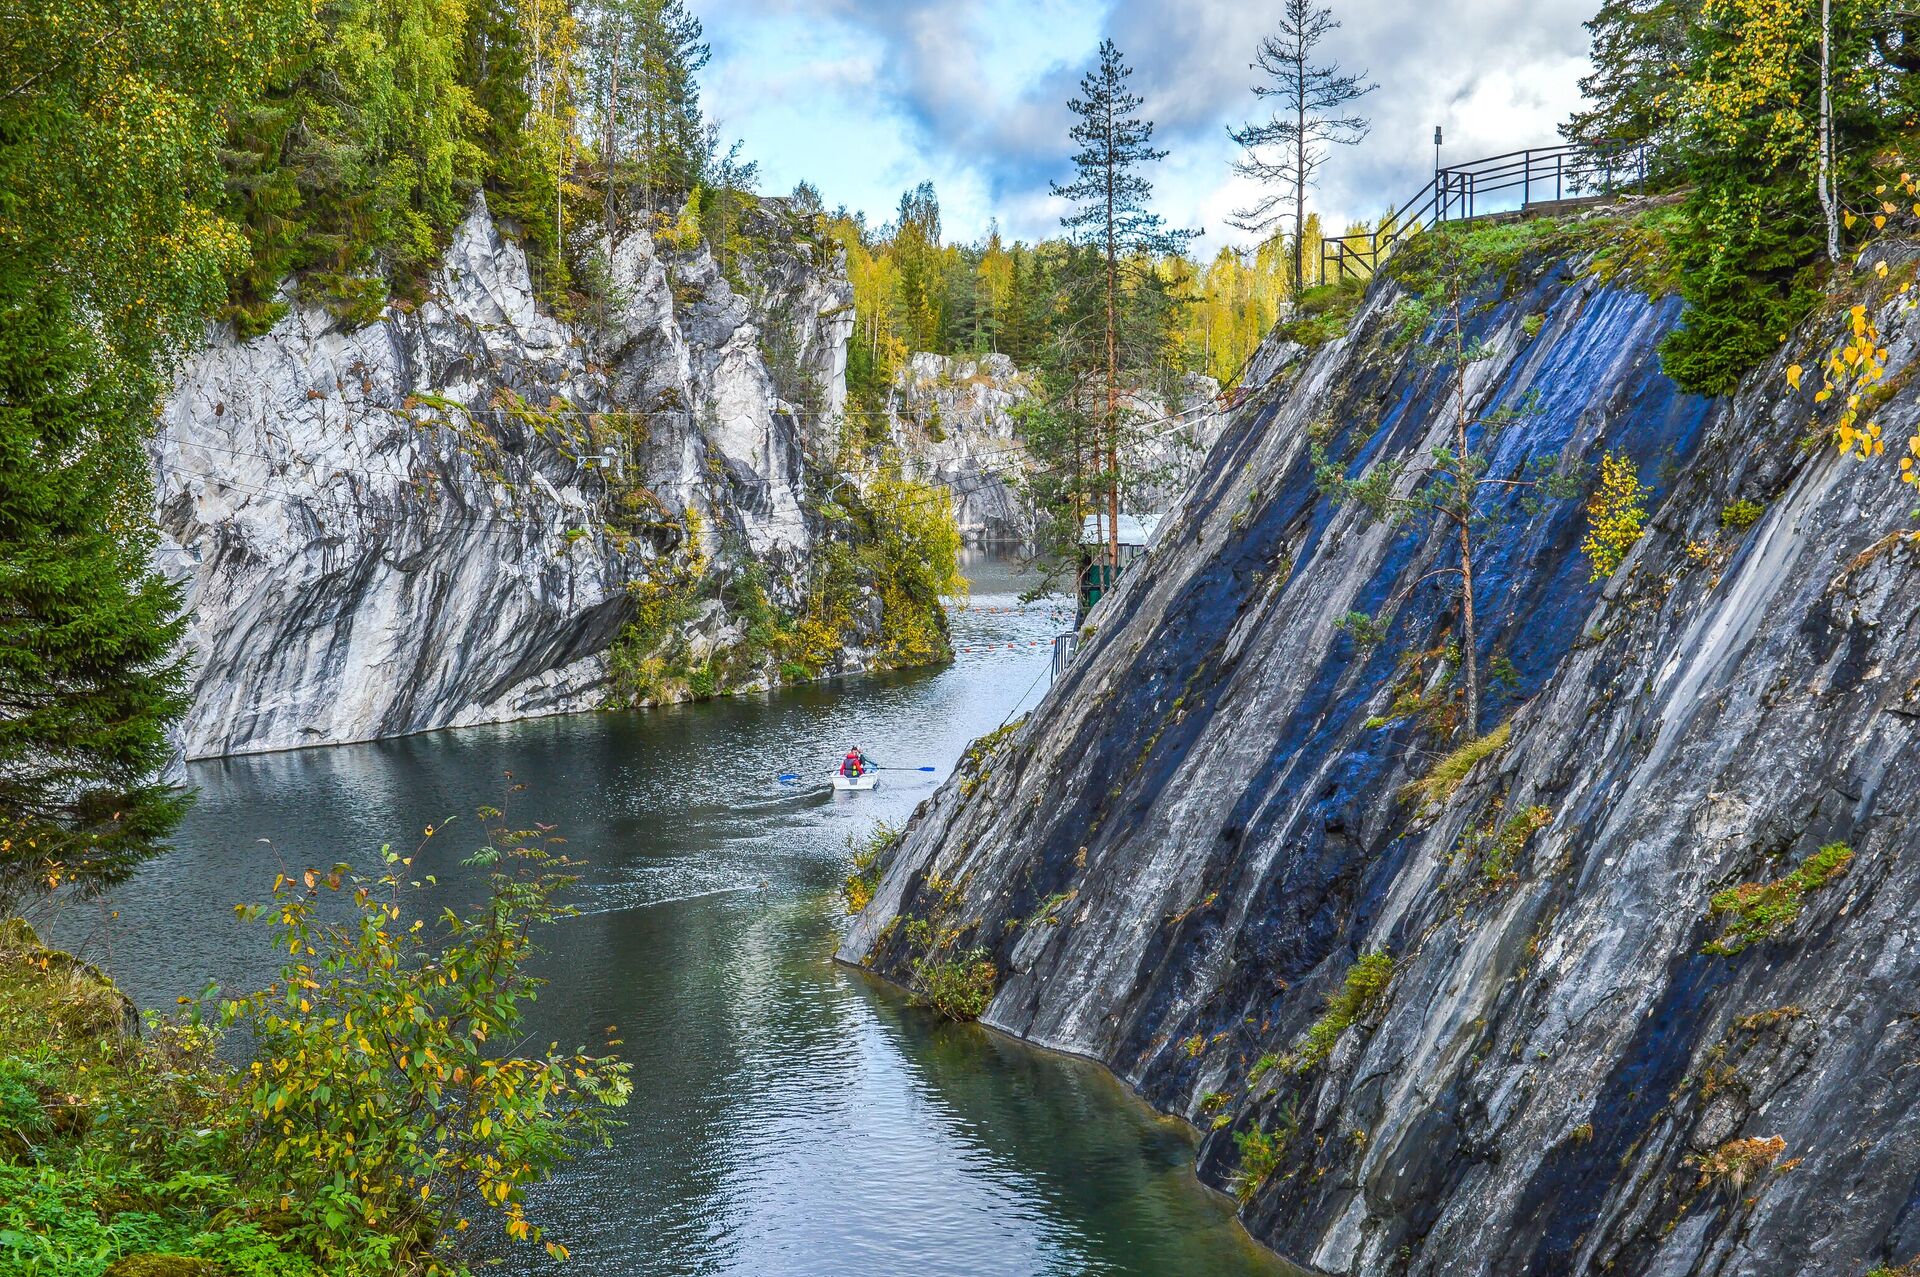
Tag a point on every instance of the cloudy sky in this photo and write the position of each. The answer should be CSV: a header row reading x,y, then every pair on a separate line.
x,y
868,97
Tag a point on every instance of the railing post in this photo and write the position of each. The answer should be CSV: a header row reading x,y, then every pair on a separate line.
x,y
1526,179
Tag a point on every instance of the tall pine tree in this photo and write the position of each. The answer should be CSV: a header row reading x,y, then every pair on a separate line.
x,y
1112,216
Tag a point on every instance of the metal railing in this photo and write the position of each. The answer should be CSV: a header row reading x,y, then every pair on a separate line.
x,y
1519,181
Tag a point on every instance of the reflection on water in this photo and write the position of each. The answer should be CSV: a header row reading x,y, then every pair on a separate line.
x,y
790,1117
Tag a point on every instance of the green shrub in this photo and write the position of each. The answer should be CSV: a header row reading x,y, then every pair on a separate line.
x,y
1756,911
384,1066
1362,991
867,855
1323,313
116,1144
1260,1154
1741,515
1439,784
983,747
1497,848
959,988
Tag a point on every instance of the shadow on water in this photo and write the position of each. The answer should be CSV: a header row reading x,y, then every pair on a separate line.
x,y
790,1117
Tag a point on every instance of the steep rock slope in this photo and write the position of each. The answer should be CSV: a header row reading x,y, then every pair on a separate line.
x,y
1202,830
435,519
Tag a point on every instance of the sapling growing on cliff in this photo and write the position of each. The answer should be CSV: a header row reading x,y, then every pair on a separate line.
x,y
1443,495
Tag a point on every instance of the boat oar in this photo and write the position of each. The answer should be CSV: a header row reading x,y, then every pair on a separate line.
x,y
878,768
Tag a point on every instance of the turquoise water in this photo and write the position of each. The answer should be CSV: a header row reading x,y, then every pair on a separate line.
x,y
791,1117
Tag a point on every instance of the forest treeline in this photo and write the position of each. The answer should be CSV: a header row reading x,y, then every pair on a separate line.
x,y
915,292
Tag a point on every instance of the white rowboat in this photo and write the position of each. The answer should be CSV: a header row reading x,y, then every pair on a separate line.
x,y
858,783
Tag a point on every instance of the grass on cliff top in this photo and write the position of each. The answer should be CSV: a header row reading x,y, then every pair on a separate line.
x,y
1438,785
1634,249
1324,312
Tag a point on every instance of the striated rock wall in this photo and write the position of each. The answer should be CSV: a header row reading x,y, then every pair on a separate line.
x,y
434,520
1202,830
955,419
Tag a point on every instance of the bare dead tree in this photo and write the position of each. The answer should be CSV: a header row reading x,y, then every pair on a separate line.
x,y
1284,153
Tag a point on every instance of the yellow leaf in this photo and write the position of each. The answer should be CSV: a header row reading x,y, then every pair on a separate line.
x,y
1794,374
1879,222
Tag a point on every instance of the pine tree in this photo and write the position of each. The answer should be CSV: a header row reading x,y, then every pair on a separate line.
x,y
1444,495
1310,101
1113,218
643,56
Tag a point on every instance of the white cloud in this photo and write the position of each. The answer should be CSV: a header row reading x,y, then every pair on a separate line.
x,y
867,97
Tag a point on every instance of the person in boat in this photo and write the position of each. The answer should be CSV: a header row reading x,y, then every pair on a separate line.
x,y
854,765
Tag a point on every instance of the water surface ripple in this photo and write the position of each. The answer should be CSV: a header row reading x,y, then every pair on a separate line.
x,y
790,1117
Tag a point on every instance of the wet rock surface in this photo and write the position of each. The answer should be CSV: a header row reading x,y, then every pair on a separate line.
x,y
434,520
1202,829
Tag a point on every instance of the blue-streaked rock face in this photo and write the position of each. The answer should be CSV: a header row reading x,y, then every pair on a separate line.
x,y
1202,829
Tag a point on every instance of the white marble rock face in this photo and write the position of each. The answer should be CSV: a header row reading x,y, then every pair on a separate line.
x,y
357,567
956,420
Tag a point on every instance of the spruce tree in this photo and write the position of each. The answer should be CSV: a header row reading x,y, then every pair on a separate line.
x,y
1635,91
1751,135
112,254
916,253
89,678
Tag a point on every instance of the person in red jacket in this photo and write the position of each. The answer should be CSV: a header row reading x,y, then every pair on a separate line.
x,y
854,765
